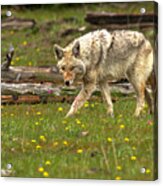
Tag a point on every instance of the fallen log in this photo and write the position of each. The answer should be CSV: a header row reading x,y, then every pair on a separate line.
x,y
19,74
48,89
17,23
115,21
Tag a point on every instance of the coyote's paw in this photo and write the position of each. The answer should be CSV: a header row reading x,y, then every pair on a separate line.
x,y
110,113
70,113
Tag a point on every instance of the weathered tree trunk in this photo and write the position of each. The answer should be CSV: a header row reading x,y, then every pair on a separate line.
x,y
17,23
21,74
120,21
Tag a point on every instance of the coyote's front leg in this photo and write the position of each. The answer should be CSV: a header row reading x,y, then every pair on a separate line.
x,y
84,95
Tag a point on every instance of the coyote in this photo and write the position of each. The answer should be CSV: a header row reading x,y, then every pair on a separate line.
x,y
99,56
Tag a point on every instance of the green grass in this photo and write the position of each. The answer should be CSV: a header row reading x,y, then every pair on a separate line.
x,y
38,49
72,153
99,157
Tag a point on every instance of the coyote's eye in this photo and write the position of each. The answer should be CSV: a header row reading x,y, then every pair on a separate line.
x,y
63,68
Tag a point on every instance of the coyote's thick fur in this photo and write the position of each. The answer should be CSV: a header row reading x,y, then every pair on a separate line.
x,y
99,56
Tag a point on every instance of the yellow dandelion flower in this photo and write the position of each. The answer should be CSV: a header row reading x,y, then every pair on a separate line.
x,y
64,121
78,121
109,139
36,123
40,169
148,171
47,162
120,116
60,109
17,58
55,143
38,147
86,105
65,143
118,178
30,63
38,50
83,126
122,126
24,43
42,138
119,168
133,158
67,128
27,113
33,141
12,63
126,139
133,148
38,113
92,105
45,174
12,114
11,32
79,151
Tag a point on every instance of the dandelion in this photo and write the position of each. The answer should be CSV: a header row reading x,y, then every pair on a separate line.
x,y
92,105
27,113
118,178
133,158
47,162
119,168
12,62
122,126
36,123
67,128
83,126
40,169
120,116
78,121
42,138
86,105
64,121
38,147
24,43
126,139
12,114
65,143
17,58
11,32
45,174
33,141
133,148
148,171
60,109
55,143
79,151
38,113
109,139
30,63
38,50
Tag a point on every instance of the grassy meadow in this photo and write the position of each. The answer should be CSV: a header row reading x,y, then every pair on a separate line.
x,y
39,142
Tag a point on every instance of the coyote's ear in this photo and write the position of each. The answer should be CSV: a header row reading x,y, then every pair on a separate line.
x,y
76,49
58,52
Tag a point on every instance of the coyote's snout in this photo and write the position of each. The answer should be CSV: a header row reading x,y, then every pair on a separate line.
x,y
70,64
99,56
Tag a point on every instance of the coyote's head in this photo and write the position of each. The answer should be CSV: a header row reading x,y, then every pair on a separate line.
x,y
69,62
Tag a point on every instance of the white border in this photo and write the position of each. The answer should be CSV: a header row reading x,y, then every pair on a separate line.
x,y
56,182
